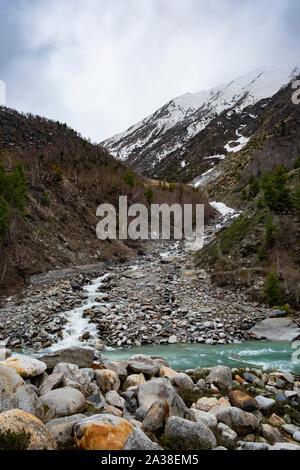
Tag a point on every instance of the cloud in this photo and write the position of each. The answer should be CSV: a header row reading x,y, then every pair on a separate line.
x,y
103,65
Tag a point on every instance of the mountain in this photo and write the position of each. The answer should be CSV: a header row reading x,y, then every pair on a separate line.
x,y
157,145
51,183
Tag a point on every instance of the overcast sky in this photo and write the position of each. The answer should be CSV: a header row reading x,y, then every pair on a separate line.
x,y
102,65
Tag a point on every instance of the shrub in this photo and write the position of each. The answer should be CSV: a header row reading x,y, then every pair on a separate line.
x,y
273,294
297,163
13,187
276,193
57,172
296,201
254,189
46,200
149,195
129,179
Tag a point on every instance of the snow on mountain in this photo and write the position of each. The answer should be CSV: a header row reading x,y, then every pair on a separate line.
x,y
168,129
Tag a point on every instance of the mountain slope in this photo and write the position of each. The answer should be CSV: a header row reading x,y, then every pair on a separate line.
x,y
48,208
148,145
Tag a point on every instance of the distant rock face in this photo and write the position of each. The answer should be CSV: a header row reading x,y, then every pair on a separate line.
x,y
82,357
276,329
19,423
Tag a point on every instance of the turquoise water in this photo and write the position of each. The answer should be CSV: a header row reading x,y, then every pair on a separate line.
x,y
262,354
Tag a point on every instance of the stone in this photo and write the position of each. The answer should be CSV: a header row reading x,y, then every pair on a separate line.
x,y
82,357
276,329
221,377
113,398
276,420
264,403
183,382
205,404
271,434
243,401
138,440
285,446
4,353
62,402
166,372
226,435
134,275
107,380
278,313
290,428
102,432
133,380
296,436
143,365
190,436
130,401
62,429
245,445
96,401
19,422
156,417
25,366
189,276
16,395
173,339
203,417
119,367
153,390
240,421
74,377
51,382
253,379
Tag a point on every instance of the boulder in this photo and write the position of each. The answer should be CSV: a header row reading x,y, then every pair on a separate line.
x,y
119,367
51,382
156,417
285,446
221,377
153,390
226,435
26,432
166,372
198,416
16,395
82,357
240,421
74,377
62,402
107,380
183,382
141,364
130,401
133,380
245,445
62,429
25,366
4,353
102,432
205,404
138,440
264,403
276,329
113,398
243,401
189,435
271,434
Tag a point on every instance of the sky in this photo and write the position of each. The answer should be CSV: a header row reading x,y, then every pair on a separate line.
x,y
103,65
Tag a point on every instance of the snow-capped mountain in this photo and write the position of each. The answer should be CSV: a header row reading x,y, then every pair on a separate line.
x,y
147,144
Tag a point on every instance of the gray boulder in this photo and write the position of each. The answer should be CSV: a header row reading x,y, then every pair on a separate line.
x,y
141,364
82,357
62,402
183,382
16,395
276,329
74,377
62,429
240,421
198,416
138,440
153,390
51,382
221,377
189,435
264,403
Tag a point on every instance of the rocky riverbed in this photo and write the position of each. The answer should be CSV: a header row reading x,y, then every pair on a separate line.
x,y
158,298
77,399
